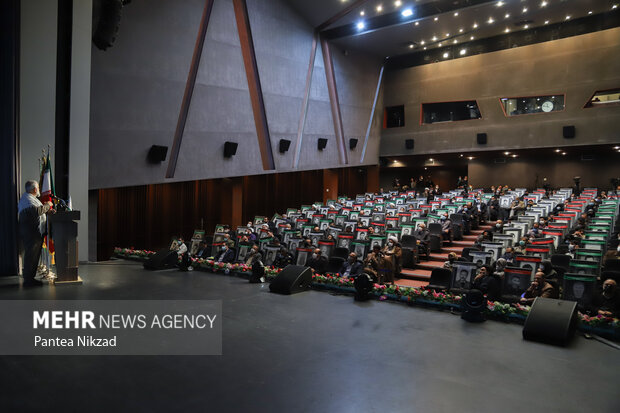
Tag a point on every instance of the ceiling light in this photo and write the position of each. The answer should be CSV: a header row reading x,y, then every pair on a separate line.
x,y
439,44
436,18
546,21
614,7
430,159
506,153
527,26
398,3
563,153
470,157
507,16
417,23
424,47
445,55
461,155
507,30
434,38
471,38
514,156
491,20
447,34
567,18
500,3
411,46
394,161
455,41
463,51
456,14
557,150
379,8
460,30
475,25
422,42
616,147
525,10
407,13
543,4
590,12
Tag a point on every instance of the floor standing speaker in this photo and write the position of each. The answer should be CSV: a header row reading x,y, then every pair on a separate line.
x,y
551,321
162,260
293,279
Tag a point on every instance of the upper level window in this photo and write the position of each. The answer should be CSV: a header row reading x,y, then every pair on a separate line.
x,y
532,104
394,116
450,111
604,97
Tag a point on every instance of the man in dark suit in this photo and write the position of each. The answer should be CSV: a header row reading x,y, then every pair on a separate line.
x,y
423,237
226,253
203,251
317,262
351,267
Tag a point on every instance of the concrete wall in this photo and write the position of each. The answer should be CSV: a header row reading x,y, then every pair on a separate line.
x,y
576,66
137,87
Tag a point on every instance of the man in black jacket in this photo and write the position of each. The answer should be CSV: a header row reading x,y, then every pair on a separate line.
x,y
487,283
317,262
351,267
423,237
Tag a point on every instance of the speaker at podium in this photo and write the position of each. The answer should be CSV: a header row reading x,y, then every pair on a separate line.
x,y
64,228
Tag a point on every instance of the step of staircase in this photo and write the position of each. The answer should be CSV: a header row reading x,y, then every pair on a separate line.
x,y
429,265
415,274
410,283
464,243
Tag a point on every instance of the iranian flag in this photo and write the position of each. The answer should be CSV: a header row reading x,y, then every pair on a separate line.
x,y
47,190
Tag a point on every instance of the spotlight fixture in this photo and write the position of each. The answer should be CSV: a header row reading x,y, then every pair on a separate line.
x,y
614,7
424,47
361,25
436,18
417,23
514,155
507,30
590,12
461,155
460,30
398,3
506,153
456,14
500,3
527,26
490,21
379,8
422,42
616,147
407,13
471,38
563,153
543,4
434,38
447,34
567,18
525,10
362,13
445,55
475,26
470,157
439,45
507,16
430,159
558,150
463,52
546,21
411,46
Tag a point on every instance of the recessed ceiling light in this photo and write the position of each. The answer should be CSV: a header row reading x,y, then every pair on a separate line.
x,y
379,7
436,18
506,153
406,12
455,41
460,30
527,26
500,3
411,46
360,25
567,18
558,150
434,38
362,13
525,10
543,4
616,147
463,51
456,14
475,25
398,3
507,16
471,38
470,157
590,12
507,30
422,42
490,21
445,55
417,23
447,34
439,44
546,21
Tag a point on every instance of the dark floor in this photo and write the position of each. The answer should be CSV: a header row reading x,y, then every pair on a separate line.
x,y
311,352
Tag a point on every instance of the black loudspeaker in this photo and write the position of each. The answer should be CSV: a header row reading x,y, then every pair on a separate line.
x,y
106,20
293,279
481,138
352,143
230,148
322,143
161,260
568,132
409,143
284,145
157,154
551,321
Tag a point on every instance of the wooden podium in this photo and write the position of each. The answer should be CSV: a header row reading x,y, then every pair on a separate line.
x,y
64,234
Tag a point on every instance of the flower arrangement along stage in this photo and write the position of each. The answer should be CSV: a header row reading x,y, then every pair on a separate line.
x,y
607,326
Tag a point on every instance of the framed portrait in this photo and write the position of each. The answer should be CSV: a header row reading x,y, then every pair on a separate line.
x,y
463,274
302,255
243,250
365,221
269,254
354,216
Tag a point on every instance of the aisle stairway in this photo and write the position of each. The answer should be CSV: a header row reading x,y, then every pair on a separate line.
x,y
422,273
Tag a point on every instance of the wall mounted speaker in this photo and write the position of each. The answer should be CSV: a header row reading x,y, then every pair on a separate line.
x,y
157,154
284,145
568,132
409,143
352,143
481,138
230,149
322,143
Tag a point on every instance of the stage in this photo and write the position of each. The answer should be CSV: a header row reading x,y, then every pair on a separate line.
x,y
310,352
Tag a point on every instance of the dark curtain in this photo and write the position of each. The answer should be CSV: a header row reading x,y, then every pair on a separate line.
x,y
9,143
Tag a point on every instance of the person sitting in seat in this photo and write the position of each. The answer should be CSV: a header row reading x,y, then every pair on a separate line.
x,y
535,232
551,275
318,263
484,237
351,267
500,266
538,288
226,253
423,237
448,265
253,256
378,266
520,248
607,301
487,283
393,251
498,227
446,228
202,251
283,258
509,255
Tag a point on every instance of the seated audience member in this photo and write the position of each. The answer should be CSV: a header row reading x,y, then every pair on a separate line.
x,y
318,263
393,252
607,301
377,265
446,227
551,275
572,249
423,237
500,266
612,254
283,258
498,227
251,236
182,247
520,248
351,267
484,237
203,251
253,256
486,282
538,288
517,207
509,255
535,232
226,253
451,260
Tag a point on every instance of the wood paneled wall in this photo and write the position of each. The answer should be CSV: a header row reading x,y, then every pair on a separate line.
x,y
146,217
